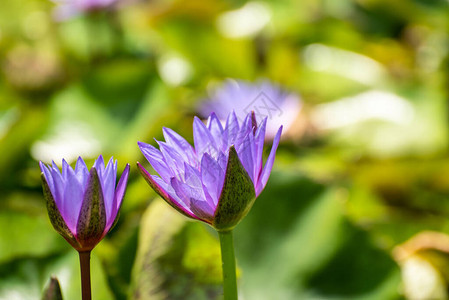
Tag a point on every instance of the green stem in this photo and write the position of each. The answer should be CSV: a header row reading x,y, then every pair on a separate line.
x,y
85,275
228,261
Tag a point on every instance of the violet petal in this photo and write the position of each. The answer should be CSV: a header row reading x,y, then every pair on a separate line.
x,y
156,159
118,198
179,144
162,189
203,140
269,164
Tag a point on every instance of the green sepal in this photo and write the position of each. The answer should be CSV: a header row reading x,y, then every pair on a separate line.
x,y
237,196
55,216
53,290
92,217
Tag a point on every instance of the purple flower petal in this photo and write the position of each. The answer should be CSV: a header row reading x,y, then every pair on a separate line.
x,y
99,163
245,130
54,166
118,198
269,164
190,195
180,145
173,159
49,178
185,192
59,184
214,125
156,159
203,210
245,152
65,169
71,200
212,177
81,171
192,176
107,178
230,132
203,139
259,141
166,192
216,130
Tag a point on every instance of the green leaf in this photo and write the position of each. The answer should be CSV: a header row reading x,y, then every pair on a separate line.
x,y
53,290
237,196
92,218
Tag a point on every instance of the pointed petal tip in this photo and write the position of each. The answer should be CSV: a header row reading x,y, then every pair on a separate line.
x,y
99,160
279,133
142,145
42,166
126,170
197,121
158,142
213,116
143,171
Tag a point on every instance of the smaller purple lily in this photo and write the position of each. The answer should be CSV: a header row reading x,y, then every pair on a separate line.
x,y
218,181
83,205
67,9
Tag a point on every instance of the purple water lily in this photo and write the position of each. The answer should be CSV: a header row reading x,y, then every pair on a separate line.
x,y
83,205
265,98
218,180
70,8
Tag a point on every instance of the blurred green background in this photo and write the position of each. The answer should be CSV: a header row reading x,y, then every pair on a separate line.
x,y
357,205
